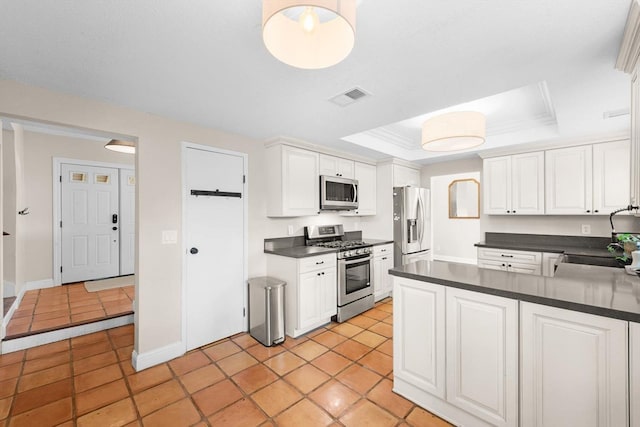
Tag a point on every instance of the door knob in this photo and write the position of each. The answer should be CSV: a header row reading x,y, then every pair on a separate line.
x,y
114,228
193,250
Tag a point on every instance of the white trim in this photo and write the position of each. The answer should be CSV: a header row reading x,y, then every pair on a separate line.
x,y
37,284
35,340
245,208
155,357
57,205
298,143
552,144
630,46
473,261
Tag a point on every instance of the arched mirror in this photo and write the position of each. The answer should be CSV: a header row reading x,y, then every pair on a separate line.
x,y
464,199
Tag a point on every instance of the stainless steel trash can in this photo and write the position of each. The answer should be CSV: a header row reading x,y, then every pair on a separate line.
x,y
266,310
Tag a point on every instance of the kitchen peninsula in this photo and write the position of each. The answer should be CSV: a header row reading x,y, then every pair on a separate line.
x,y
483,347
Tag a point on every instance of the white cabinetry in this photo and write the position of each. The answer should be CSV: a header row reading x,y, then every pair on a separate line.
x,y
514,184
292,181
367,182
635,136
573,368
382,262
474,380
510,260
587,179
310,292
634,373
419,337
403,176
336,166
482,355
549,262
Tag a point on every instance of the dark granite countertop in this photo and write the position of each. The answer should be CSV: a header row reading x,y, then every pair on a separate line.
x,y
604,291
570,245
377,242
300,251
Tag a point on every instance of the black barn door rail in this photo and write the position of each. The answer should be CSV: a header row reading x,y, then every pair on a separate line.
x,y
216,193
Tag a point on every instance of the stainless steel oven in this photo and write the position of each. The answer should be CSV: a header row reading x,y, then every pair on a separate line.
x,y
355,293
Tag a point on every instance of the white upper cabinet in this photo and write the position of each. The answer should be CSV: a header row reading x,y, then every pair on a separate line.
x,y
403,176
367,187
587,179
292,181
336,166
611,176
569,180
514,184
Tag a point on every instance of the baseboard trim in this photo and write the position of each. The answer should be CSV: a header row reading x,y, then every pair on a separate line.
x,y
38,284
22,343
155,357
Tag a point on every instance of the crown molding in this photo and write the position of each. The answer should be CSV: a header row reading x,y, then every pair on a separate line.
x,y
630,46
299,143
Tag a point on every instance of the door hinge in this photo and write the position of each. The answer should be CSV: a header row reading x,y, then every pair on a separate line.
x,y
60,178
244,179
60,224
244,312
60,269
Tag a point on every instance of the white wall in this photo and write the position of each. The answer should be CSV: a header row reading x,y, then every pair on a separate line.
x,y
9,208
452,239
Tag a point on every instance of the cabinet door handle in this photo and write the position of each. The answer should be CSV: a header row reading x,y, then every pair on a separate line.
x,y
318,274
514,211
384,258
596,211
588,211
506,256
323,273
508,211
503,265
319,262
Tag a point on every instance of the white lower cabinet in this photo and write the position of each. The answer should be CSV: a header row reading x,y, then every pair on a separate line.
x,y
310,290
634,373
382,263
418,336
482,355
474,379
574,368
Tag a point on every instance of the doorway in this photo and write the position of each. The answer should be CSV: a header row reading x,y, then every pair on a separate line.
x,y
215,232
94,232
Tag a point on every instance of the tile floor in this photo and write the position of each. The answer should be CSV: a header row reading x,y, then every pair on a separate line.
x,y
339,375
59,307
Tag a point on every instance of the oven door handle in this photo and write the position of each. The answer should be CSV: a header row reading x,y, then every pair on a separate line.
x,y
357,259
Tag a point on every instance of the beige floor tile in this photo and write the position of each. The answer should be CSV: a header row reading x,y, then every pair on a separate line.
x,y
382,395
334,397
254,378
304,413
358,378
236,363
276,397
365,413
216,397
284,363
309,350
243,413
369,339
307,378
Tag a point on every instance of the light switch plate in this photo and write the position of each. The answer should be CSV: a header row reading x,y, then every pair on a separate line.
x,y
290,230
169,237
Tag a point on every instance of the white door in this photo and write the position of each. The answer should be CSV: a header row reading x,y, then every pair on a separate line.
x,y
214,239
90,240
127,221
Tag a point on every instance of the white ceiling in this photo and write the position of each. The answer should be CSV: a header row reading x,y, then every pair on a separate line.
x,y
204,62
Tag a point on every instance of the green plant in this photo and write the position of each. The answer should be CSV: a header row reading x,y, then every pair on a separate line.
x,y
627,243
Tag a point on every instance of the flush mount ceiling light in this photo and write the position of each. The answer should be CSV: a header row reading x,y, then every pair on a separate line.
x,y
309,34
453,131
121,146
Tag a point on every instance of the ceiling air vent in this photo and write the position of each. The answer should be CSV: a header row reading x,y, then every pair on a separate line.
x,y
349,97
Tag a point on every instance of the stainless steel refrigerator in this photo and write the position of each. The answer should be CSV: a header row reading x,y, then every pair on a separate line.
x,y
411,224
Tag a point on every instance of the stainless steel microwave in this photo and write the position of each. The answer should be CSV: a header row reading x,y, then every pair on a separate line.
x,y
337,193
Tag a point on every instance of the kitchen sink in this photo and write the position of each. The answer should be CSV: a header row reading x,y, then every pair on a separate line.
x,y
591,260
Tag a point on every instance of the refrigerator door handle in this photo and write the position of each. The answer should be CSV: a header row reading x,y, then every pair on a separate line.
x,y
355,193
421,219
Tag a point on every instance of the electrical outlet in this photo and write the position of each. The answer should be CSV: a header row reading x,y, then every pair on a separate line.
x,y
290,230
586,229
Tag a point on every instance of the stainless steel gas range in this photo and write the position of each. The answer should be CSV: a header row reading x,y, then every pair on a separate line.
x,y
355,293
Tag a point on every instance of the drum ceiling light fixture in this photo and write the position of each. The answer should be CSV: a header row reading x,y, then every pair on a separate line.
x,y
309,34
121,146
453,131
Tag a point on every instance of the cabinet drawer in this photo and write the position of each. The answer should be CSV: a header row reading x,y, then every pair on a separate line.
x,y
316,262
492,264
510,255
383,250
